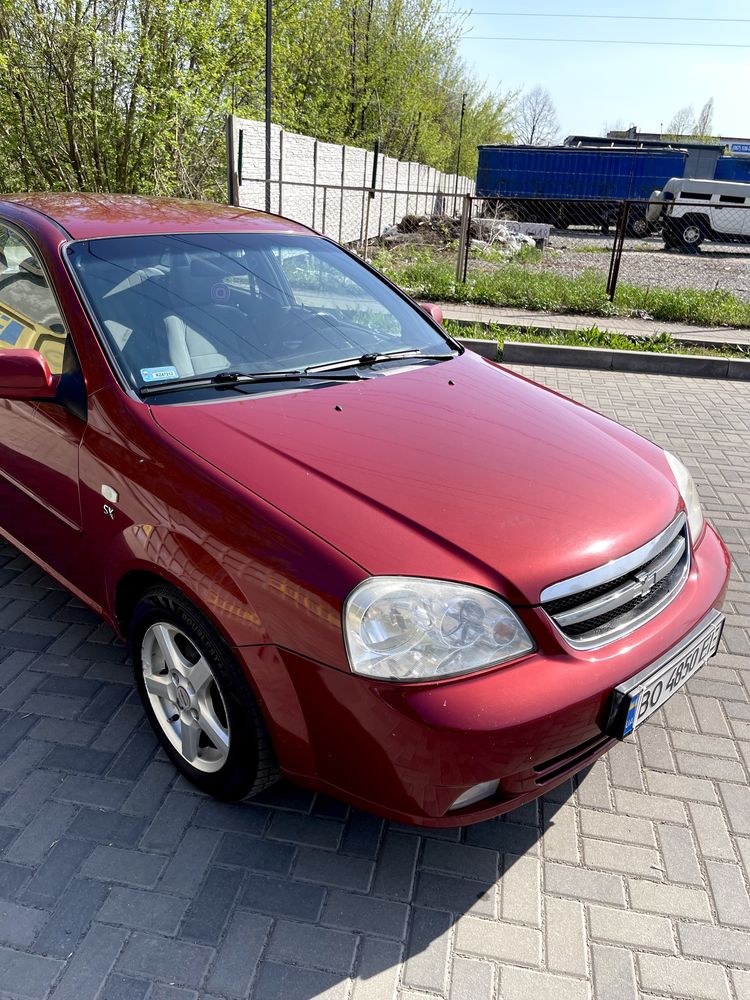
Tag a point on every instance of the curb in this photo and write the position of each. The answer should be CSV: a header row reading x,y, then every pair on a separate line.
x,y
650,362
485,348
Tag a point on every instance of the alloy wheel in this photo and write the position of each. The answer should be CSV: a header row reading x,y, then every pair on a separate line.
x,y
185,697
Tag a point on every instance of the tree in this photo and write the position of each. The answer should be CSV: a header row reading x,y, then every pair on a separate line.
x,y
703,128
392,73
116,95
536,122
131,95
682,123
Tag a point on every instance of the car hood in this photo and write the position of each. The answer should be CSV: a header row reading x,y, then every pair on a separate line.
x,y
459,470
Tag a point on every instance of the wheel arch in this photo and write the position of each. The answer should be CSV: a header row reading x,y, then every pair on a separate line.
x,y
700,219
198,576
129,590
276,698
675,226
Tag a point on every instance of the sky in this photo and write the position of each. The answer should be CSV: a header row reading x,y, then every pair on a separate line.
x,y
617,85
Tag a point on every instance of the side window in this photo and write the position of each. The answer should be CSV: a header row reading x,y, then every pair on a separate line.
x,y
29,317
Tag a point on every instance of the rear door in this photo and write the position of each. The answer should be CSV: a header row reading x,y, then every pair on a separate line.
x,y
39,442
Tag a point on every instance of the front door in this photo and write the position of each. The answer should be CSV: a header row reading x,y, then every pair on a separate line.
x,y
39,442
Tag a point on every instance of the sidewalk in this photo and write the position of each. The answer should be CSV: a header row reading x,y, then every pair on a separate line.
x,y
615,324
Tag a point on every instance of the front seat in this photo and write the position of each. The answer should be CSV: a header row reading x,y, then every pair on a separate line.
x,y
133,311
203,333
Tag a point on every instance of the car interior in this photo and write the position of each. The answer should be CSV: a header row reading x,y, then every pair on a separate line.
x,y
202,313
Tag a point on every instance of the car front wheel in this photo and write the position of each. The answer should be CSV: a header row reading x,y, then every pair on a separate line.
x,y
684,233
197,699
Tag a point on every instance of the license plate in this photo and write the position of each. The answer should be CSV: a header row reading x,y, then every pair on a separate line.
x,y
641,696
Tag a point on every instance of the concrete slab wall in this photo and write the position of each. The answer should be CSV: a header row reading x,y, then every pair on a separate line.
x,y
327,186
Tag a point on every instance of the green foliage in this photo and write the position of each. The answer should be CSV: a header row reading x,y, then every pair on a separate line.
x,y
511,285
528,255
131,95
386,69
585,294
685,305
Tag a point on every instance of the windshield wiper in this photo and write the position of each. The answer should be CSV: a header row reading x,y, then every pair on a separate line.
x,y
365,360
320,372
229,379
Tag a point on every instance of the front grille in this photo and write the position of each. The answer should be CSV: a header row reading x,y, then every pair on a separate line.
x,y
613,600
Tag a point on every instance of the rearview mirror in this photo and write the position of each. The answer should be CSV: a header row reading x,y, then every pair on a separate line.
x,y
25,375
435,312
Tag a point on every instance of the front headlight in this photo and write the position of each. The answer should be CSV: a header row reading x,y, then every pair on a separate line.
x,y
689,494
405,628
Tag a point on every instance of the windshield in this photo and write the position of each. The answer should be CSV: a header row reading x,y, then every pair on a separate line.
x,y
189,305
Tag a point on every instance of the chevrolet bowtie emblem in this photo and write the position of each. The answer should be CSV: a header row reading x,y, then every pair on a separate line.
x,y
647,582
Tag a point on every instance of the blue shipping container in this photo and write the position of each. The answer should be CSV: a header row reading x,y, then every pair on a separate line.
x,y
526,172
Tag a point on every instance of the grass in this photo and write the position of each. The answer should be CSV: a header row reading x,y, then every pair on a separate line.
x,y
592,248
528,255
592,336
497,254
522,288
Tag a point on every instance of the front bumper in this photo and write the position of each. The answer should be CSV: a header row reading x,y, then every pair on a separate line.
x,y
408,751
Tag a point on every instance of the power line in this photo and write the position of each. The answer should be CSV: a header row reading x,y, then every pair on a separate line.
x,y
602,41
603,17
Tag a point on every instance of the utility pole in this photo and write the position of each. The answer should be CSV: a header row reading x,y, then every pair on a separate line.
x,y
460,137
269,5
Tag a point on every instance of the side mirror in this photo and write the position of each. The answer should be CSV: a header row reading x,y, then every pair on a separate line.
x,y
435,312
25,375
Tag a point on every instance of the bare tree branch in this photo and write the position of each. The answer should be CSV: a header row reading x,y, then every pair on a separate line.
x,y
682,123
704,125
536,122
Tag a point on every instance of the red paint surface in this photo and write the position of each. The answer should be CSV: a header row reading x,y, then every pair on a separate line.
x,y
266,511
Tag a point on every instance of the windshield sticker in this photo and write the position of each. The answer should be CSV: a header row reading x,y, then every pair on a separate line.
x,y
159,374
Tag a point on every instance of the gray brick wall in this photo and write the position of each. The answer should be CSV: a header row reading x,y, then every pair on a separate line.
x,y
324,185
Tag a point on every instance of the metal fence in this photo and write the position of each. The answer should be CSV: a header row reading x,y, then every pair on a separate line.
x,y
355,215
685,244
346,192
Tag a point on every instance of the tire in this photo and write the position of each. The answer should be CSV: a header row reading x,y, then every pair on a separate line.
x,y
639,228
202,708
684,233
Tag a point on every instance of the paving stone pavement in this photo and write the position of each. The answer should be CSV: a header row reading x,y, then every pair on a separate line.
x,y
119,881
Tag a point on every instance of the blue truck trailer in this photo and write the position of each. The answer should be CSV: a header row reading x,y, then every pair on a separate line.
x,y
731,168
574,185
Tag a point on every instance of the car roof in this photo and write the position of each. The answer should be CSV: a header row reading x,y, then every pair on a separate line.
x,y
707,184
88,216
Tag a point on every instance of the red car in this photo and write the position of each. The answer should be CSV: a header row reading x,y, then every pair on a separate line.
x,y
341,548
